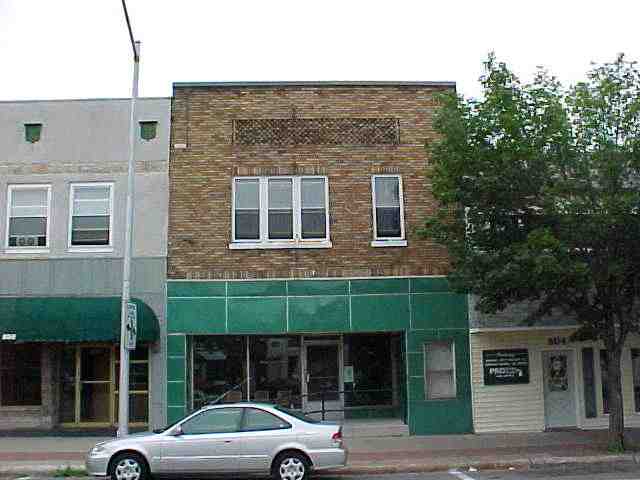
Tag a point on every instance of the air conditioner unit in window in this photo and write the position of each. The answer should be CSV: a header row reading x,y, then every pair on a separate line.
x,y
26,240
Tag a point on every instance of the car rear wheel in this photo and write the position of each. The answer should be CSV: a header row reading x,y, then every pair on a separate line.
x,y
291,466
128,466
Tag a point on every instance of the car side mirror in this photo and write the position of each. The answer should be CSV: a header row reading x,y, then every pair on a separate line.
x,y
177,431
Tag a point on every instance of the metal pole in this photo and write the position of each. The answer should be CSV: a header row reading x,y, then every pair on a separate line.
x,y
123,400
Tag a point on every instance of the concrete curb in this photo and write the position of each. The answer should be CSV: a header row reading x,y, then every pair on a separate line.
x,y
524,463
40,469
37,468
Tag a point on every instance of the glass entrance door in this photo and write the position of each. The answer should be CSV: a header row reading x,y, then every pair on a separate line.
x,y
89,386
323,380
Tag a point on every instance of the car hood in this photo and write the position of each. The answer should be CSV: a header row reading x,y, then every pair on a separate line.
x,y
132,437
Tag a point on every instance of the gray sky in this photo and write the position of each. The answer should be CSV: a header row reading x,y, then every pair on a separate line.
x,y
80,48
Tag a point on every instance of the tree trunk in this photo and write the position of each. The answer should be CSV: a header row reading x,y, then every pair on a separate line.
x,y
616,408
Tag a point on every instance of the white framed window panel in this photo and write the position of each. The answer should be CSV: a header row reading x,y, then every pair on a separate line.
x,y
280,212
383,197
89,203
440,370
28,221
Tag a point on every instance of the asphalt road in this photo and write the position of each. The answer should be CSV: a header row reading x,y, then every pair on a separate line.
x,y
592,472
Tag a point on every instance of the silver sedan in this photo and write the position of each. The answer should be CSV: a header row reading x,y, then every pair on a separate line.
x,y
241,438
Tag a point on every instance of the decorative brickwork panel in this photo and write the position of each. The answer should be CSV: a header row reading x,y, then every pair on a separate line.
x,y
317,131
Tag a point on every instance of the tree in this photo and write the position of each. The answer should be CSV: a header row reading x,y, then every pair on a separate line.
x,y
539,193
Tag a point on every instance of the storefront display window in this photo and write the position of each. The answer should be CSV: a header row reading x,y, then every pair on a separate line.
x,y
370,358
635,368
138,385
219,369
20,378
275,370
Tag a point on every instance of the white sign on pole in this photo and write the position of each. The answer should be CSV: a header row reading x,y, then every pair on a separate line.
x,y
132,325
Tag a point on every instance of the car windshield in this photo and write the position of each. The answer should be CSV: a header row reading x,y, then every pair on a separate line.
x,y
298,415
165,429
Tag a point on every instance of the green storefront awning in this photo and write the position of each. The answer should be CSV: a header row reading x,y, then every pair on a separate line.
x,y
71,319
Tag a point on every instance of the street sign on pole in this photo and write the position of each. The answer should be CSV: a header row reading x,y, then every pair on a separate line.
x,y
127,328
132,325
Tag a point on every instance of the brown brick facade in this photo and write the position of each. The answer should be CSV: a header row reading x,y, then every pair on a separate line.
x,y
201,180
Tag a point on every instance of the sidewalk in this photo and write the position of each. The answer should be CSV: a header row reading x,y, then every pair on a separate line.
x,y
41,455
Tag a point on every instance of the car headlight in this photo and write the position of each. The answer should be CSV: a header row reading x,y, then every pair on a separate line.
x,y
98,450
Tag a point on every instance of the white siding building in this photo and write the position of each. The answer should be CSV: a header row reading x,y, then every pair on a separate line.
x,y
562,384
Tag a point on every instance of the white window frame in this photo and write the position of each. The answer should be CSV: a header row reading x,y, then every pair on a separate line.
x,y
30,186
89,248
264,242
387,241
425,350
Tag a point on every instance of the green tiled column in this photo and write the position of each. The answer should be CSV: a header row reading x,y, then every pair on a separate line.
x,y
428,417
176,377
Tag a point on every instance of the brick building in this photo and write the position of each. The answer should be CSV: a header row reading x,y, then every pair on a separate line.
x,y
295,274
63,181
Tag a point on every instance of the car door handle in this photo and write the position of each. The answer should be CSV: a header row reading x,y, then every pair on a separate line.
x,y
228,441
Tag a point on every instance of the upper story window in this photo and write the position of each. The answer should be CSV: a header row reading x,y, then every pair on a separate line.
x,y
388,211
148,130
280,212
91,215
32,132
28,217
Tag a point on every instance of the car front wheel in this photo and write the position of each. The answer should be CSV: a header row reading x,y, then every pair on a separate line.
x,y
291,466
128,466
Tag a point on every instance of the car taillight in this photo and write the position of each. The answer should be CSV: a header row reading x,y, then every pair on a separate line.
x,y
337,437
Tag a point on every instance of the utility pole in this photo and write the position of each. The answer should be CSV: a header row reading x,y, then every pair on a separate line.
x,y
125,324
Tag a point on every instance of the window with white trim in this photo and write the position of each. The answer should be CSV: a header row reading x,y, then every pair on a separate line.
x,y
91,215
280,212
28,217
440,370
388,210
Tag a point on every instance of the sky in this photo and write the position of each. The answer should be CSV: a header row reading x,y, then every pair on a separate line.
x,y
80,48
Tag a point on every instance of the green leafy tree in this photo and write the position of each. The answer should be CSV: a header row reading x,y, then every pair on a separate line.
x,y
539,188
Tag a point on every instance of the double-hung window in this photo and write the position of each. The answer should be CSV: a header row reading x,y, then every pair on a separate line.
x,y
91,216
280,212
388,211
28,208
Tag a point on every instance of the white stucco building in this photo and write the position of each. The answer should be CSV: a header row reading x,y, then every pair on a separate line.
x,y
63,180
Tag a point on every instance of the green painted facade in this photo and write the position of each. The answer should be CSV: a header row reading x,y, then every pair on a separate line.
x,y
423,308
